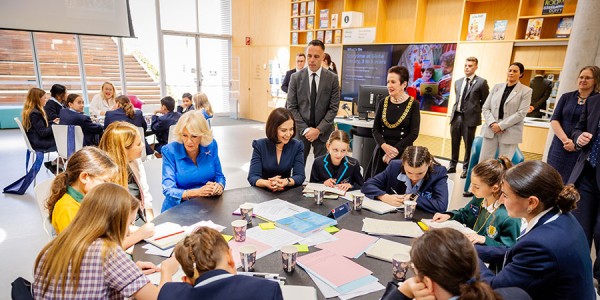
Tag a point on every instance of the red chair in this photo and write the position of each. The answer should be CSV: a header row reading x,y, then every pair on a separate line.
x,y
135,101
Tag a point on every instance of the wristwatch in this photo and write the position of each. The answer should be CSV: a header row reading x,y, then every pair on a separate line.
x,y
288,181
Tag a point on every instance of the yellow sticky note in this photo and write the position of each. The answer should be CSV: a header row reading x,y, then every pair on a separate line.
x,y
301,247
332,229
265,226
227,237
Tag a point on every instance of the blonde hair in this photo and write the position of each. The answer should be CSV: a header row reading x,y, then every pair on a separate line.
x,y
104,214
91,160
117,138
125,103
200,100
196,124
33,101
114,95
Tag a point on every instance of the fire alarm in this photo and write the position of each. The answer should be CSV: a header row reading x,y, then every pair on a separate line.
x,y
247,41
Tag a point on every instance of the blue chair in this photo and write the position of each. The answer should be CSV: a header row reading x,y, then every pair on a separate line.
x,y
348,129
475,152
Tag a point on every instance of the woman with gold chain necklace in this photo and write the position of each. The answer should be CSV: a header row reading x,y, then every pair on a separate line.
x,y
396,124
485,214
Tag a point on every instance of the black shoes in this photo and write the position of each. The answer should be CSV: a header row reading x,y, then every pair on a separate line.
x,y
451,169
464,174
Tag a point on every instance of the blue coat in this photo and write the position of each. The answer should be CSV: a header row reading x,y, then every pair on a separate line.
x,y
160,126
551,261
347,172
433,194
179,173
91,130
39,134
138,121
53,108
220,285
264,164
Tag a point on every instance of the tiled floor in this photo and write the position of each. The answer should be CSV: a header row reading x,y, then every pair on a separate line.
x,y
21,234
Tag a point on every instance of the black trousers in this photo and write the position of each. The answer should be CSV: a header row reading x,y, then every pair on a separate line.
x,y
459,130
588,210
318,145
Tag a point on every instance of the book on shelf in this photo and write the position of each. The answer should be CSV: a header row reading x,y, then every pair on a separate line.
x,y
337,37
324,18
564,27
309,36
500,29
310,23
310,8
294,9
303,8
328,37
302,25
476,25
320,37
534,29
294,38
334,20
295,24
552,7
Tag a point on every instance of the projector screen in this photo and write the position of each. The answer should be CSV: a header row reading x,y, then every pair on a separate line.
x,y
90,17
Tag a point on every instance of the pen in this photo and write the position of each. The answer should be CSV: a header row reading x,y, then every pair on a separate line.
x,y
391,188
270,276
168,235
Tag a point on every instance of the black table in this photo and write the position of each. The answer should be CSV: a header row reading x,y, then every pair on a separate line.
x,y
219,211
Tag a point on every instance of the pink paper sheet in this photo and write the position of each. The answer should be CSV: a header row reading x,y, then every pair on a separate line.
x,y
332,268
350,244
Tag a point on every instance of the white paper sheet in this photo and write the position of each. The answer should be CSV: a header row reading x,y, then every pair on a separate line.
x,y
155,277
396,228
276,238
318,238
276,209
153,250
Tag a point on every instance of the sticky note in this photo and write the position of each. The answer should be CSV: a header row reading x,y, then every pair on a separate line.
x,y
266,226
332,229
301,247
227,237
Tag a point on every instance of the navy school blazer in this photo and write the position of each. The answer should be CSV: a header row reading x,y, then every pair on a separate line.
x,y
138,121
551,261
348,171
39,134
91,130
433,193
160,126
53,108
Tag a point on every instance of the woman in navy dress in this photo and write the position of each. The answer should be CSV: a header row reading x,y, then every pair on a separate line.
x,y
562,154
277,160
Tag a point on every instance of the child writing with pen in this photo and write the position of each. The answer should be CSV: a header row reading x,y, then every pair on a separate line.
x,y
210,273
336,169
486,214
417,176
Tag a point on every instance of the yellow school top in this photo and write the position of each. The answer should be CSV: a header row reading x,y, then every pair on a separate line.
x,y
64,212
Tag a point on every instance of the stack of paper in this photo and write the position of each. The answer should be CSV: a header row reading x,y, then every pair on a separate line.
x,y
336,275
318,238
275,238
349,244
305,223
397,228
166,235
449,224
311,187
276,209
385,250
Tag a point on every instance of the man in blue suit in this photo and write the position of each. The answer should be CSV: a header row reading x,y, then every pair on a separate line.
x,y
161,124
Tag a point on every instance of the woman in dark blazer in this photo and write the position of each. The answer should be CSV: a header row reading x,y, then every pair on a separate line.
x,y
125,112
73,115
336,169
551,259
55,104
415,174
36,123
277,160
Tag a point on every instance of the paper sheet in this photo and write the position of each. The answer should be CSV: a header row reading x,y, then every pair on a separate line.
x,y
318,238
330,292
449,224
165,229
189,229
275,238
350,244
384,249
332,268
153,250
276,209
155,277
396,228
311,187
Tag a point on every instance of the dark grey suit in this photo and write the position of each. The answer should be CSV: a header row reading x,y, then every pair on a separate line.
x,y
286,80
327,104
541,90
464,123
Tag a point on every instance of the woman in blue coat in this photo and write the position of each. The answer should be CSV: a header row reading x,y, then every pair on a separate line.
x,y
416,174
191,165
551,259
336,169
277,160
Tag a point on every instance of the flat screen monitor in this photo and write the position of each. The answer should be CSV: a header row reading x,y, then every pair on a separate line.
x,y
368,98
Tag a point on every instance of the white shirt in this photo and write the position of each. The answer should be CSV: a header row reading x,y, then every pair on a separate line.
x,y
464,89
317,78
100,105
536,219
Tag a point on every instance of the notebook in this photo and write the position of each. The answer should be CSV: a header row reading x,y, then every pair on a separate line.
x,y
384,249
305,223
395,228
321,187
298,292
449,224
379,207
166,235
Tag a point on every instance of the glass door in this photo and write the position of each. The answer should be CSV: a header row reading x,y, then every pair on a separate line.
x,y
180,65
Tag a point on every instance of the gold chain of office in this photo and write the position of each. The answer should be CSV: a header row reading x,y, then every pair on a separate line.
x,y
384,116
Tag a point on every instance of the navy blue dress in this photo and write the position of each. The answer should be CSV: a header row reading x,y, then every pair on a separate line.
x,y
567,113
264,164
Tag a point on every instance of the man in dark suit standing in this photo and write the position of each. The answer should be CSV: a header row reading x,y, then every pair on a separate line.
x,y
586,174
161,124
300,60
542,88
471,93
314,98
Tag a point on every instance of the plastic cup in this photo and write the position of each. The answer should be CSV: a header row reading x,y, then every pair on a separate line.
x,y
409,209
239,230
248,257
357,201
289,254
246,211
319,196
400,263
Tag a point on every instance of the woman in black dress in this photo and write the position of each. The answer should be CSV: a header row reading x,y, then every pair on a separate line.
x,y
396,124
